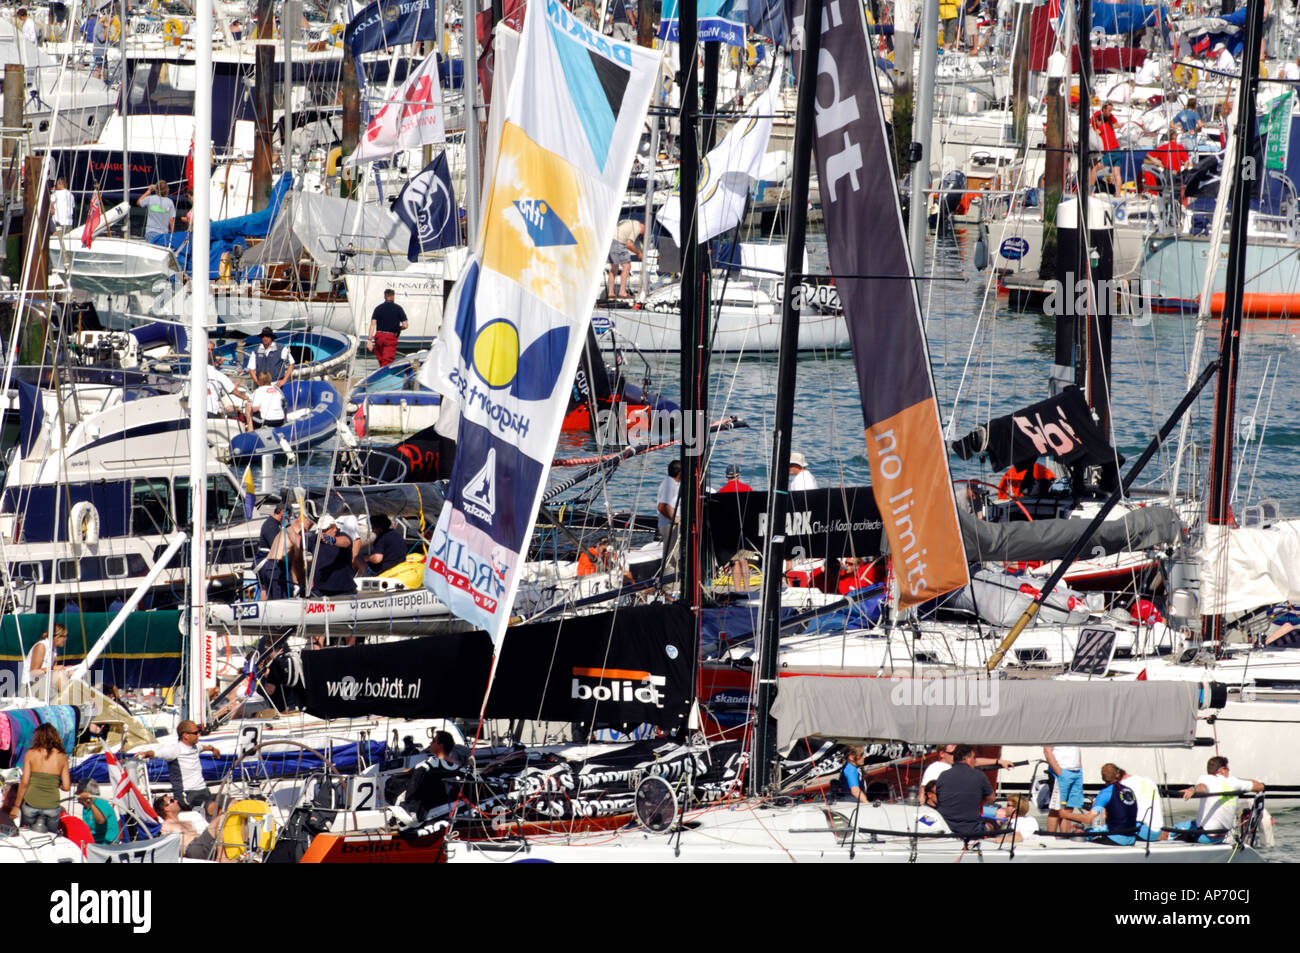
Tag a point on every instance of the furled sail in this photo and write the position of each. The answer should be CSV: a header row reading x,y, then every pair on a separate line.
x,y
869,257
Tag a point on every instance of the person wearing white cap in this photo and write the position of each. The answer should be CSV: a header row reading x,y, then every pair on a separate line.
x,y
333,574
801,477
1224,62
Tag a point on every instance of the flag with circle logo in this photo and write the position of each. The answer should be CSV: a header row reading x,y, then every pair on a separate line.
x,y
514,328
413,117
427,206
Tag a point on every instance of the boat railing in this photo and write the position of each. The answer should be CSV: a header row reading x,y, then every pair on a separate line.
x,y
373,248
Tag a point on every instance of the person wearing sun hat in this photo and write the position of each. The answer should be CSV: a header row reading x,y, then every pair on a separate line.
x,y
801,477
271,358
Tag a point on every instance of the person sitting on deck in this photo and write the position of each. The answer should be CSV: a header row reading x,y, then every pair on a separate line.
x,y
963,791
1120,806
854,757
388,548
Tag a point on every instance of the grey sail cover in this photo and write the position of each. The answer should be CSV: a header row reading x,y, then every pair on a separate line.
x,y
985,711
1147,527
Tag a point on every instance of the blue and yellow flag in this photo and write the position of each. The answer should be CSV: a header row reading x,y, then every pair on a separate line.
x,y
515,325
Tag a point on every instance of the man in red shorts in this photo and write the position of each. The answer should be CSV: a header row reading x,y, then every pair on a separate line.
x,y
388,321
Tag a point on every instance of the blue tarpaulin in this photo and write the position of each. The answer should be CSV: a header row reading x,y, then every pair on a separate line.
x,y
1126,17
270,763
229,232
31,416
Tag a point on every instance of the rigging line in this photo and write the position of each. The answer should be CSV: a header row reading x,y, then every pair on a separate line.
x,y
1259,448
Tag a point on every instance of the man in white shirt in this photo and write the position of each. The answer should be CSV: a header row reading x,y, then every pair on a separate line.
x,y
1291,70
222,391
1223,60
1217,814
801,477
666,498
26,26
266,407
1148,74
1151,813
61,200
187,783
1066,765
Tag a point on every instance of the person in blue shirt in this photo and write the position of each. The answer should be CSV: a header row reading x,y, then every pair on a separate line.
x,y
1119,804
855,757
97,813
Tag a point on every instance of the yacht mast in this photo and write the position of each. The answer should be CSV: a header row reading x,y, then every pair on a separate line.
x,y
199,655
1219,518
778,497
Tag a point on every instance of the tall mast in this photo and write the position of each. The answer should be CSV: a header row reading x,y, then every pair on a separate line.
x,y
779,479
198,656
695,316
1225,392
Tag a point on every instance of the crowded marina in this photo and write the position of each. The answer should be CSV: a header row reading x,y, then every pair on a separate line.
x,y
649,432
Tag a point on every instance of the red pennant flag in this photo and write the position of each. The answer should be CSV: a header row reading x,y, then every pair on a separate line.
x,y
1142,676
92,220
125,794
189,168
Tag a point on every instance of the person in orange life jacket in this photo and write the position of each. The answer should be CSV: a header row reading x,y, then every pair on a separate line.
x,y
1021,478
595,558
599,558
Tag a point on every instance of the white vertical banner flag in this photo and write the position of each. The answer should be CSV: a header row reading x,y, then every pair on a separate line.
x,y
516,325
728,171
413,117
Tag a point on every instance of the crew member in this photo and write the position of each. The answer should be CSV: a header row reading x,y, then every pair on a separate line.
x,y
386,325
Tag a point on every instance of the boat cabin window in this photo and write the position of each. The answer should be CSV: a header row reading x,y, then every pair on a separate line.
x,y
66,570
163,88
30,571
115,566
225,505
151,512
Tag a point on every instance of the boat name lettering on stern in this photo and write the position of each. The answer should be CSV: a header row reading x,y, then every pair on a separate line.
x,y
846,161
889,466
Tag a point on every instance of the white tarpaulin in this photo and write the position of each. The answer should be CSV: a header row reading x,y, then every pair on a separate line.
x,y
984,711
1243,569
327,226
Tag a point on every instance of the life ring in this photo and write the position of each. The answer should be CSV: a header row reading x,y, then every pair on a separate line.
x,y
332,161
1186,76
174,29
336,34
83,523
114,29
751,56
234,838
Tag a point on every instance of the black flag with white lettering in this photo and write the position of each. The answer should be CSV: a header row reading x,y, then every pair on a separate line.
x,y
1060,426
427,206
